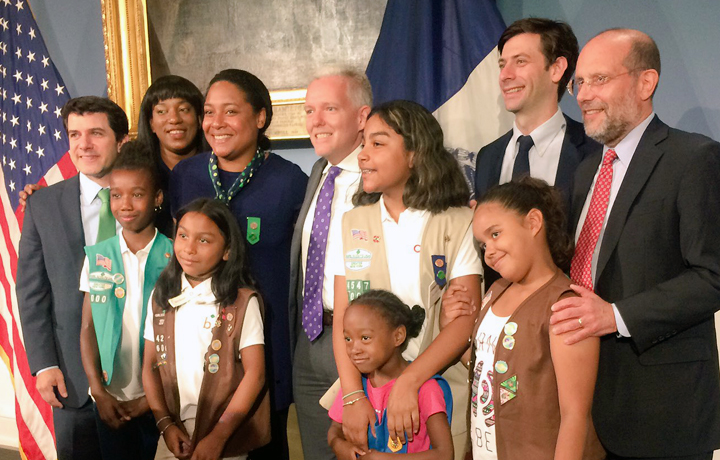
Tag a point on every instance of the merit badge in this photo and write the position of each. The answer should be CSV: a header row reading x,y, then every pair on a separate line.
x,y
511,328
501,367
376,239
506,395
440,270
508,389
102,261
394,444
216,345
213,368
218,323
214,358
163,356
486,299
356,288
230,328
118,278
253,230
509,342
230,316
358,259
119,292
359,234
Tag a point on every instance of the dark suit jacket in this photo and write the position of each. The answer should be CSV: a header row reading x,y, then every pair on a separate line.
x,y
658,392
296,280
48,280
575,147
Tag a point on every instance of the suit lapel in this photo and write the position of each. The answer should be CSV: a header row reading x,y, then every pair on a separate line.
x,y
583,181
497,160
313,183
569,154
71,217
641,166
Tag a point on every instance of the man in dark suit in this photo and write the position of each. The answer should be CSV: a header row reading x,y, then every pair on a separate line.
x,y
645,210
537,60
59,221
337,105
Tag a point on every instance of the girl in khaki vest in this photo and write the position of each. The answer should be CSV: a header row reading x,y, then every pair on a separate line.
x,y
531,393
410,234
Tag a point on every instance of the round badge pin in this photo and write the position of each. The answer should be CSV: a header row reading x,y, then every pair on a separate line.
x,y
216,345
119,292
230,316
501,367
167,255
253,225
214,358
509,342
213,368
118,278
439,263
511,328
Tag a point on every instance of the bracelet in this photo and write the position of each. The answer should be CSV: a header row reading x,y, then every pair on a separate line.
x,y
350,403
353,393
166,427
157,424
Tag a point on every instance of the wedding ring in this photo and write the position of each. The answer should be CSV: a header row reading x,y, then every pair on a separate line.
x,y
580,321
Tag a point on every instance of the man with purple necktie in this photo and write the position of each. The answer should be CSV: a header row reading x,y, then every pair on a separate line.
x,y
337,104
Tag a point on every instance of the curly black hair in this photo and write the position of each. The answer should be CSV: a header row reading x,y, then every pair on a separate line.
x,y
529,193
394,311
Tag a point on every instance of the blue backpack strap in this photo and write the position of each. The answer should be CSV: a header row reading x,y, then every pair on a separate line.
x,y
445,387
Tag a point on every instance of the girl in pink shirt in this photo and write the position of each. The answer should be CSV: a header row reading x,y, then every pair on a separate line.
x,y
377,326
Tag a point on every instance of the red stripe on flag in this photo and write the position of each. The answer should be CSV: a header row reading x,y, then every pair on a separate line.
x,y
67,168
28,445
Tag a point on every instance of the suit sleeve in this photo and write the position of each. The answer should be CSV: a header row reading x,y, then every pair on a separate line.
x,y
693,296
34,296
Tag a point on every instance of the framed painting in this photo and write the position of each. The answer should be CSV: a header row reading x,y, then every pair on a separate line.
x,y
283,42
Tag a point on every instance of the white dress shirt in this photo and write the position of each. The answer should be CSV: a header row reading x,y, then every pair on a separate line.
x,y
544,155
625,151
90,205
346,184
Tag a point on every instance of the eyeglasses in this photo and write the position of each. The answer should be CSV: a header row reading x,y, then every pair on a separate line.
x,y
575,85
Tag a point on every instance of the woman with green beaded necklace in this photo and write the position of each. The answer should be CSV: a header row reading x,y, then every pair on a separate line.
x,y
264,193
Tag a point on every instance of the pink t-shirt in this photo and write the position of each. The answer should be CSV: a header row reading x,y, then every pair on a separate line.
x,y
430,401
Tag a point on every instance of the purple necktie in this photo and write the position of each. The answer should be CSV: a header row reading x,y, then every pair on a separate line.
x,y
312,314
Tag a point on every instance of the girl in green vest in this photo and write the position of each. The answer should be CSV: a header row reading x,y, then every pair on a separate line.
x,y
118,277
409,234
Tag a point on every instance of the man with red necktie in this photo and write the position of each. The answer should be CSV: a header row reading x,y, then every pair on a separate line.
x,y
645,215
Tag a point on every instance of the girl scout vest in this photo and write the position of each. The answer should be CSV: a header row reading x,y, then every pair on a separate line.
x,y
107,293
382,442
525,392
223,372
366,268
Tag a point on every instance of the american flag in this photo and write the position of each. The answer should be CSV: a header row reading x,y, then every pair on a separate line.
x,y
34,150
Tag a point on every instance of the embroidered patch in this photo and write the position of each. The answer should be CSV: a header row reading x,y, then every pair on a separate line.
x,y
356,288
440,270
394,444
506,395
359,234
253,230
358,259
102,261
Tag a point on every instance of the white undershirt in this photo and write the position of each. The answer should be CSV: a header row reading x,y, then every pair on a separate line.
x,y
482,399
346,184
544,155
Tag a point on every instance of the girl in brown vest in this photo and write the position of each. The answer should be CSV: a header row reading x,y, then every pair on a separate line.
x,y
204,366
530,393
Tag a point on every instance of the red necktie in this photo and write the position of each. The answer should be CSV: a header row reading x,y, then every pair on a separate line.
x,y
581,267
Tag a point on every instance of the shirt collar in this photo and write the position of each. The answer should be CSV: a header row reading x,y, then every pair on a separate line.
x,y
544,134
201,289
627,146
124,247
88,189
408,213
349,163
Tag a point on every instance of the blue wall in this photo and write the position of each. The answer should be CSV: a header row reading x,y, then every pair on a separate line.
x,y
687,32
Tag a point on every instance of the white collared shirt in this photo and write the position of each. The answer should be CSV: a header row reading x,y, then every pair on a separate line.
x,y
625,151
126,383
90,205
402,240
346,184
544,155
194,321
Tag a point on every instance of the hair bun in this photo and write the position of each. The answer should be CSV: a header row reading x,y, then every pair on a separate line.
x,y
417,319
